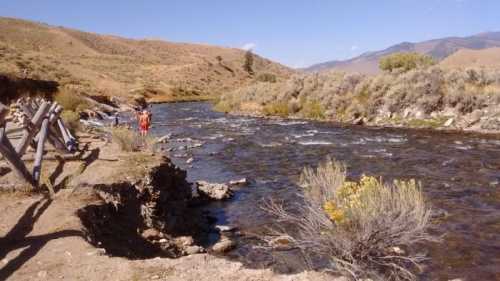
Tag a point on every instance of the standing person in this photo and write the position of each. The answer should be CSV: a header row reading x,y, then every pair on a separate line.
x,y
144,119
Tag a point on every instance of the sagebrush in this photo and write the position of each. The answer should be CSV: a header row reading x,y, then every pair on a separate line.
x,y
362,228
126,139
129,140
388,98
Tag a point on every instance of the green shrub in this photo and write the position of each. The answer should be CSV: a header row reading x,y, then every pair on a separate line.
x,y
126,139
267,77
71,101
313,110
223,106
71,120
405,61
277,108
364,228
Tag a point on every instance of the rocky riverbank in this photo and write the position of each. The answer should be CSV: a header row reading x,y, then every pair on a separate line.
x,y
432,98
115,216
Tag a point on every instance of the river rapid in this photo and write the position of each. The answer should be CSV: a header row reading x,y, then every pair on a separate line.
x,y
459,173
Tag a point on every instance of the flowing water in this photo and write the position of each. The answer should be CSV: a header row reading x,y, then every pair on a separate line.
x,y
460,174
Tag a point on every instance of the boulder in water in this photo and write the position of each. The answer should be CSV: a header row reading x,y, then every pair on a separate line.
x,y
217,191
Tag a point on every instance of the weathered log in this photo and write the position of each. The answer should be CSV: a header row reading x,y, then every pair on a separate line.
x,y
68,139
9,153
32,129
37,168
53,136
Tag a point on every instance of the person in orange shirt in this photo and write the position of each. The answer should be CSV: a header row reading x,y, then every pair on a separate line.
x,y
144,119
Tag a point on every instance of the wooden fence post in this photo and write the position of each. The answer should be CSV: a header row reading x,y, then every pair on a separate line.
x,y
52,136
9,153
70,143
31,131
37,167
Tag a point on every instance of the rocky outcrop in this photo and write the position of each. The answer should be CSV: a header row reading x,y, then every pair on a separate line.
x,y
145,218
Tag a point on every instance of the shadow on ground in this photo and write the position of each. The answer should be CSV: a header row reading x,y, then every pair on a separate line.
x,y
18,238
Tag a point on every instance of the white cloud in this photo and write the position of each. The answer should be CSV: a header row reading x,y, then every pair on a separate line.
x,y
249,46
354,48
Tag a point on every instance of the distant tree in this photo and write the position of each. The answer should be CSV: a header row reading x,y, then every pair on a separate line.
x,y
248,64
405,61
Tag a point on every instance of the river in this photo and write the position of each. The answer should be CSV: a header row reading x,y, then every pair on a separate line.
x,y
459,173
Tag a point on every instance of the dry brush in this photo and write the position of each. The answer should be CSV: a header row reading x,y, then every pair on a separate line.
x,y
365,229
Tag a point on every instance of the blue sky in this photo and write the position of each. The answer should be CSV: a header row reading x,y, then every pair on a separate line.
x,y
295,33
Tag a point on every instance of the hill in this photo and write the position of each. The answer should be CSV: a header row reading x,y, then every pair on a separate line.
x,y
489,58
113,66
438,48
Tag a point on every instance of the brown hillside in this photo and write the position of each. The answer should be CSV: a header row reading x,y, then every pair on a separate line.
x,y
489,58
114,66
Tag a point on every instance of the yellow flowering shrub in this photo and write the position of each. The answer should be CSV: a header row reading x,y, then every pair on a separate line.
x,y
349,196
334,213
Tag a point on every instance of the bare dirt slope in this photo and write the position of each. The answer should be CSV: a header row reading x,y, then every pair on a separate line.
x,y
489,58
115,66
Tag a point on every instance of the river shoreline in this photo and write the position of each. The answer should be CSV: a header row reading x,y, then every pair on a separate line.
x,y
387,126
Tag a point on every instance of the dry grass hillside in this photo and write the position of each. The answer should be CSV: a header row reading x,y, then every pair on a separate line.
x,y
489,58
112,66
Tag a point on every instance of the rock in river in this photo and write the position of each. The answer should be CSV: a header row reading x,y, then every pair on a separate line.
x,y
217,191
242,181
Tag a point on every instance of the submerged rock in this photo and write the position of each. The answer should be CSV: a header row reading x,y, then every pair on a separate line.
x,y
164,139
217,191
242,181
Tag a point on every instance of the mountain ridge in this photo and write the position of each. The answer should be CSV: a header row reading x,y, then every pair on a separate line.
x,y
438,48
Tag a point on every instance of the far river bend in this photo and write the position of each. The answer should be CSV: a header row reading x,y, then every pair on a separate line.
x,y
460,174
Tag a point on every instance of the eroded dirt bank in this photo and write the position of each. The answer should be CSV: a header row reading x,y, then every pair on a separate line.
x,y
115,216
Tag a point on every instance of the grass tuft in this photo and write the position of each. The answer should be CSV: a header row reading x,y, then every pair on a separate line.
x,y
276,109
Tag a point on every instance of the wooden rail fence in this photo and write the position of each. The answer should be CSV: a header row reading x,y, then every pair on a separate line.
x,y
44,125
